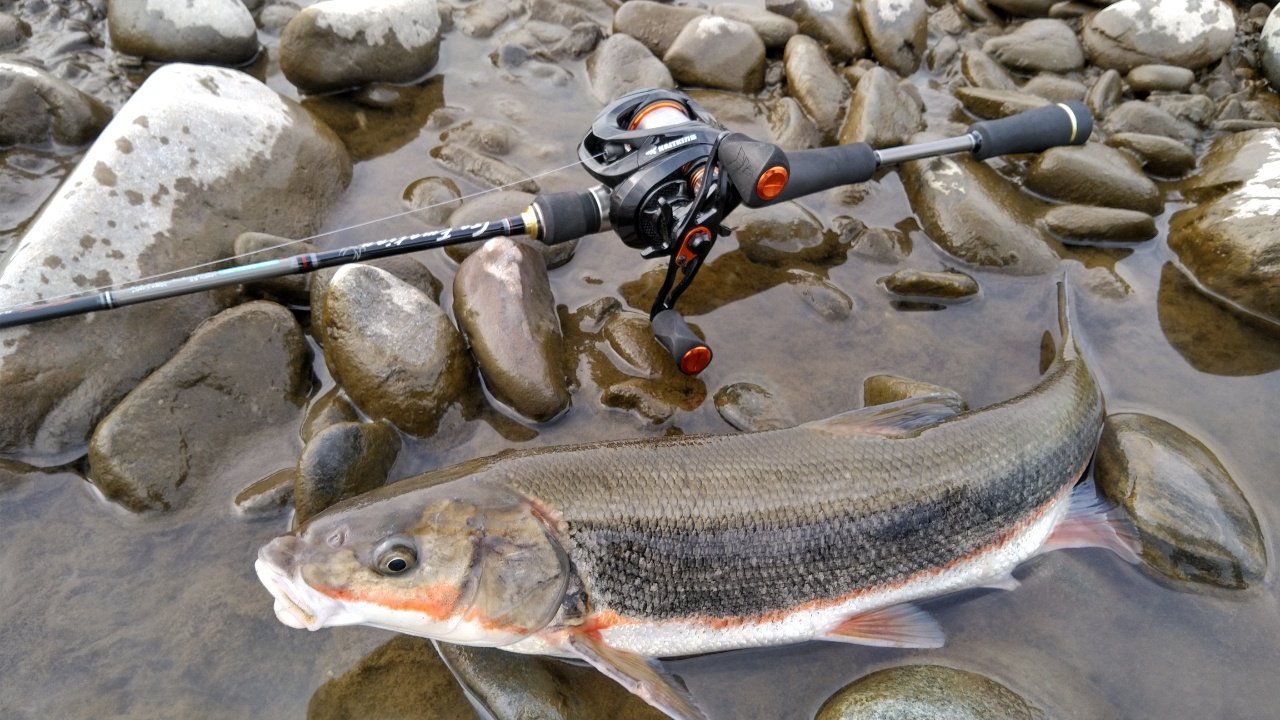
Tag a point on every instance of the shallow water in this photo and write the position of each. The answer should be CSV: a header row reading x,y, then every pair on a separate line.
x,y
107,614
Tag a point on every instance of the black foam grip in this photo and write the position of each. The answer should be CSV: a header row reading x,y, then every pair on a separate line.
x,y
822,169
1067,123
566,216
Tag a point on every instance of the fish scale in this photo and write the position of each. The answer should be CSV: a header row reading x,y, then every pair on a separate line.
x,y
660,530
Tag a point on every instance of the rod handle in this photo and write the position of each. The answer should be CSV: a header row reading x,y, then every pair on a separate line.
x,y
691,354
565,216
763,174
1065,123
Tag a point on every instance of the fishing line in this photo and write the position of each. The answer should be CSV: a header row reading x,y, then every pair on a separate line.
x,y
327,233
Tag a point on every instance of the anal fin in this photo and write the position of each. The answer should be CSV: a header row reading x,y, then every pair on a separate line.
x,y
643,676
903,626
1092,521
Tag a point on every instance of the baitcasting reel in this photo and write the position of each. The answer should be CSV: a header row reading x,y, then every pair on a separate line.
x,y
669,175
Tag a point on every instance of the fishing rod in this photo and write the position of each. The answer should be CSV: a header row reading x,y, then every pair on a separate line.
x,y
669,174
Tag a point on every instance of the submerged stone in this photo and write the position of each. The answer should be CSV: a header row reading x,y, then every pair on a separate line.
x,y
267,496
752,408
341,461
781,234
241,372
1087,223
403,679
884,389
920,692
1192,520
948,285
39,107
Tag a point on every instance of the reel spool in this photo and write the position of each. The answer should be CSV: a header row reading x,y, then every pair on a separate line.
x,y
651,149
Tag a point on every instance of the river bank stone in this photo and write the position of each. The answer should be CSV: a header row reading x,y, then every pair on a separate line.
x,y
810,80
403,679
241,371
622,64
341,461
911,692
1229,241
994,104
434,199
402,266
1209,334
1138,116
982,70
266,497
215,31
1187,33
834,24
39,107
753,408
255,247
1192,520
1024,8
946,285
1094,174
781,234
716,52
392,349
791,128
135,206
819,293
1159,155
1269,48
500,204
882,113
976,215
1055,88
1159,78
885,389
13,31
330,408
503,304
656,25
1087,223
1045,45
511,686
340,44
1104,95
896,31
774,29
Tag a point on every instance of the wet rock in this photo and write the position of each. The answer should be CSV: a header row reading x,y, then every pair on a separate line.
x,y
994,104
268,496
810,80
644,398
752,408
482,169
1229,241
655,25
215,31
328,409
435,198
926,691
1192,520
480,19
982,70
631,337
510,686
896,32
882,113
1055,88
979,12
1195,109
1211,337
948,285
402,266
791,128
976,215
339,44
552,42
254,247
834,24
241,372
829,301
13,31
137,205
380,118
503,303
500,204
39,107
713,51
878,244
782,234
884,389
1105,94
392,349
774,29
1157,78
1094,174
1186,33
621,64
1136,116
402,680
1024,8
1158,154
1269,48
342,461
1045,45
1086,223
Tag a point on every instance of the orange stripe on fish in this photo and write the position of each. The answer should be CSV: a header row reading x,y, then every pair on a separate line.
x,y
435,601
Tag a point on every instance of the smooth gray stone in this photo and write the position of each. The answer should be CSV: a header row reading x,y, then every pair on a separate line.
x,y
1037,46
896,30
212,31
656,25
1094,174
1189,33
622,64
810,80
716,52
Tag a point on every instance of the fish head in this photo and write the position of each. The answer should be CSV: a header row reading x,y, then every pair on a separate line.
x,y
464,562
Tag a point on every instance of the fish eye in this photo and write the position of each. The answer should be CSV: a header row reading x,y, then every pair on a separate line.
x,y
396,559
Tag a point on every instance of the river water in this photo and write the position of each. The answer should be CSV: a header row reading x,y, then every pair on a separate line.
x,y
108,614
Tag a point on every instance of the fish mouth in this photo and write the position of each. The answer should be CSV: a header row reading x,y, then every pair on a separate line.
x,y
297,604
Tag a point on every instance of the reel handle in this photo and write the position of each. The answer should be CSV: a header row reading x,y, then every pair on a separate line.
x,y
691,353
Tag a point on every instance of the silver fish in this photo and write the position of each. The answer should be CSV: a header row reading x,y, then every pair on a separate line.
x,y
618,553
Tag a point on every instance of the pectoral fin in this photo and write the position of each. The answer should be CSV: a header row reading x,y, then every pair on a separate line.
x,y
1092,521
904,626
901,419
641,675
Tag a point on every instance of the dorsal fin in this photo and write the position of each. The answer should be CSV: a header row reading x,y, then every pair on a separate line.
x,y
901,419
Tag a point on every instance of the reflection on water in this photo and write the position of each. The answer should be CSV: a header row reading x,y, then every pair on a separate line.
x,y
112,615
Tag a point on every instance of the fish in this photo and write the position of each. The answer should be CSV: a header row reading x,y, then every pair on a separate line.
x,y
621,553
